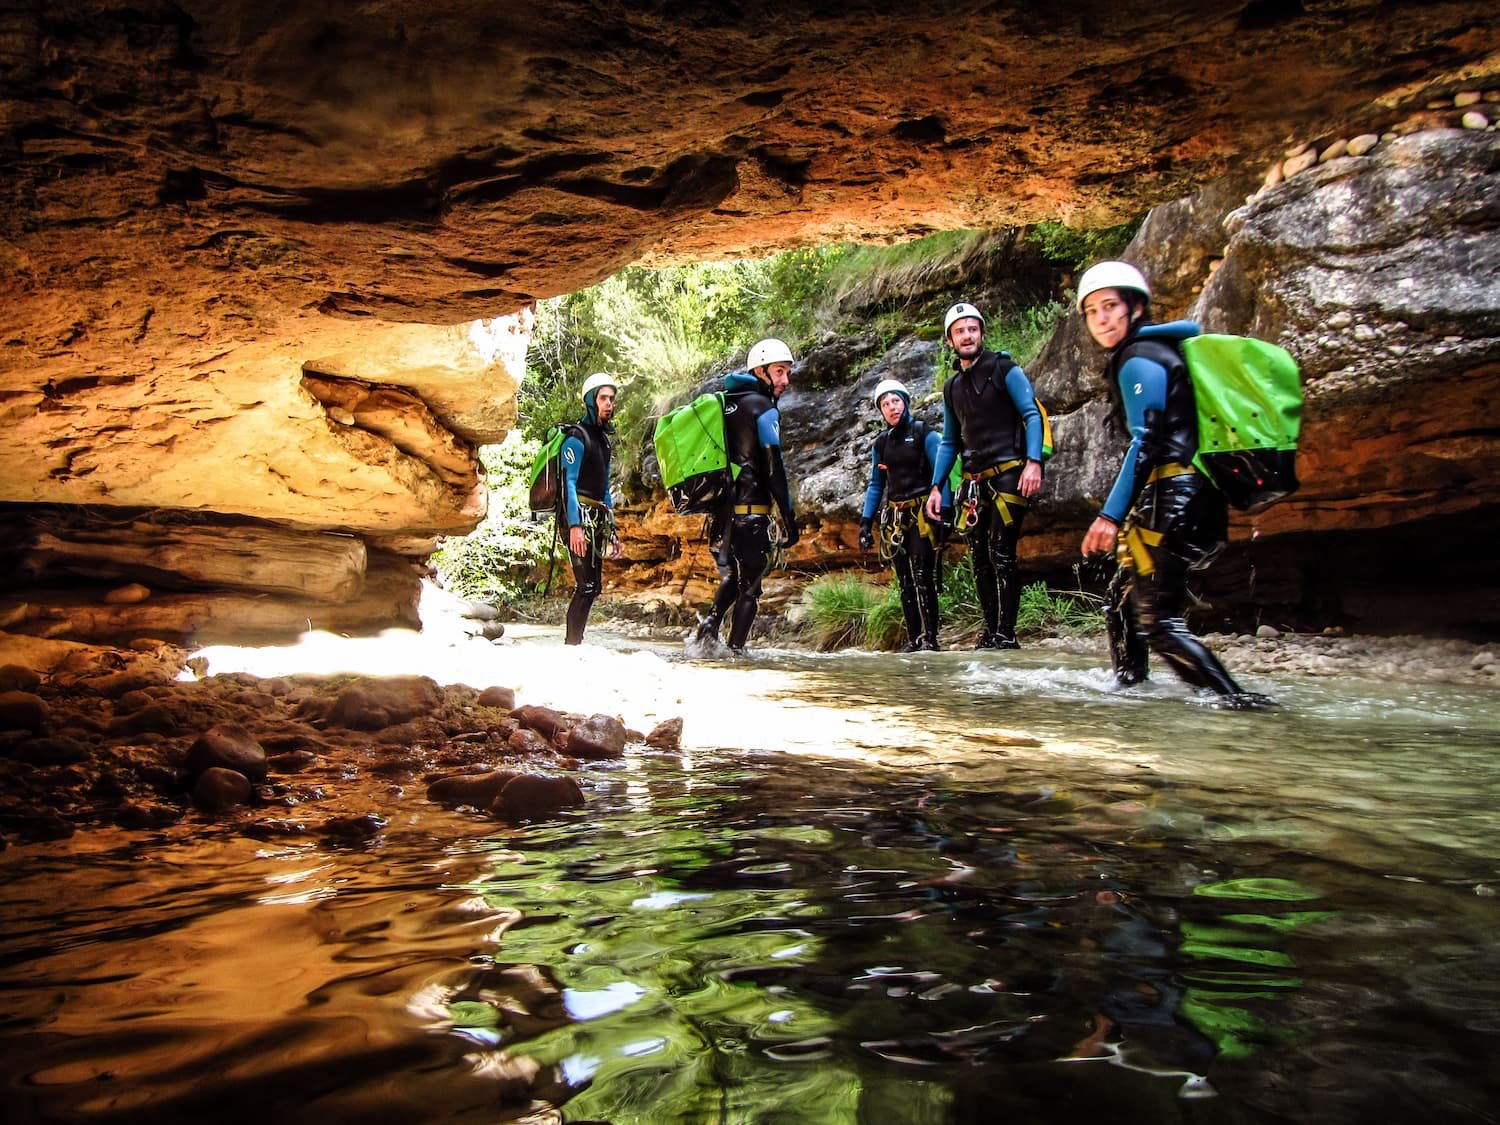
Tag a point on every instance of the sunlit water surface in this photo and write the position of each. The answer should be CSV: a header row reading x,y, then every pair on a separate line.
x,y
941,888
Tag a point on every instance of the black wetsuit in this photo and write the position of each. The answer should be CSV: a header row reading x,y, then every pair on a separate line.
x,y
990,418
901,460
1172,520
586,505
741,533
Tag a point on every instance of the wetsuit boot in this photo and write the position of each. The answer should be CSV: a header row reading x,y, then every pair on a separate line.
x,y
912,615
1127,650
739,624
1010,606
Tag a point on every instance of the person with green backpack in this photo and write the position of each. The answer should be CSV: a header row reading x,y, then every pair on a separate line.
x,y
1163,517
586,509
742,531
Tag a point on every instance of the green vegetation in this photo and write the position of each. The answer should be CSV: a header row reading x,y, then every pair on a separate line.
x,y
504,560
1076,248
845,610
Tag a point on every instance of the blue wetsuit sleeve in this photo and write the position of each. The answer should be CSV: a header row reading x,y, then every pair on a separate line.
x,y
768,427
934,446
1024,397
1143,387
948,448
572,459
876,488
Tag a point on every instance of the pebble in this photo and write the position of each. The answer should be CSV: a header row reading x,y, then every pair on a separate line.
x,y
1300,163
1475,120
501,697
1362,144
227,746
1467,98
1268,631
666,735
1339,148
218,789
598,736
20,710
133,594
532,797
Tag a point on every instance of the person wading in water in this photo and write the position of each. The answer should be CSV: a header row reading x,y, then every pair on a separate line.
x,y
901,462
586,502
991,420
1162,518
741,535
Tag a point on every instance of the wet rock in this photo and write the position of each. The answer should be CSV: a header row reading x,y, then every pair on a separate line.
x,y
523,740
534,797
131,594
1467,98
353,828
502,697
598,736
374,704
56,751
20,710
218,789
544,720
666,735
293,761
492,631
274,828
1362,144
157,719
147,814
42,824
17,677
228,746
476,789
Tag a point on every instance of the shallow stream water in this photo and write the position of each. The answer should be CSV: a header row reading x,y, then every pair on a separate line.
x,y
940,888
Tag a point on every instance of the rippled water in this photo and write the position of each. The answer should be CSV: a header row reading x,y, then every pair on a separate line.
x,y
969,890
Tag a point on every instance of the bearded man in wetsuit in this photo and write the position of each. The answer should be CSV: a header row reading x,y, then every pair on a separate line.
x,y
741,535
991,420
587,508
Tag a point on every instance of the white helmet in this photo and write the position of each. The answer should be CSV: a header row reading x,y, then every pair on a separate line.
x,y
886,386
961,311
594,382
767,352
1111,275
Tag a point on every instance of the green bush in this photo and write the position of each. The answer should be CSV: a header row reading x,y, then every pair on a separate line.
x,y
504,560
838,608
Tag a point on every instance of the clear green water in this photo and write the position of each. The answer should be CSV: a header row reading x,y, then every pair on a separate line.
x,y
969,890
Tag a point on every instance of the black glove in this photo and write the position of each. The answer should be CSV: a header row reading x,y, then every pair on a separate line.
x,y
866,535
945,525
792,535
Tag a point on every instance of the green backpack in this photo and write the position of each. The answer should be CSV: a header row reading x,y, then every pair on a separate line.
x,y
691,452
1249,400
547,472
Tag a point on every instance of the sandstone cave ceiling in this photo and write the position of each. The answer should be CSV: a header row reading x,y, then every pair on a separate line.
x,y
221,216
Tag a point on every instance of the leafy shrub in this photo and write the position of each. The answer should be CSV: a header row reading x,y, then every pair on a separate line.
x,y
838,608
504,560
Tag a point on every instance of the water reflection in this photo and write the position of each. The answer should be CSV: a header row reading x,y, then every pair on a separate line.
x,y
1014,893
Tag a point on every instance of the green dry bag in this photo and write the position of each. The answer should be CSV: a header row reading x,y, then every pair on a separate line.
x,y
546,493
1249,400
690,450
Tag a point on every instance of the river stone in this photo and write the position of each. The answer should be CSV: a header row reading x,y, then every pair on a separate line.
x,y
20,710
351,828
524,740
156,719
1362,144
132,594
493,630
598,736
666,735
1475,120
501,697
377,703
293,761
533,797
56,751
147,814
545,721
17,677
218,789
227,746
1467,98
476,789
